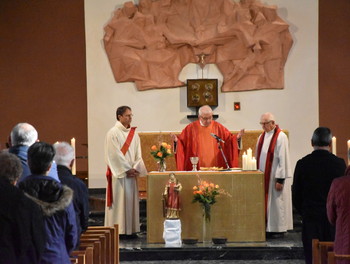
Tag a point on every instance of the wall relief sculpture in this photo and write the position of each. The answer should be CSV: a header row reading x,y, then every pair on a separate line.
x,y
151,42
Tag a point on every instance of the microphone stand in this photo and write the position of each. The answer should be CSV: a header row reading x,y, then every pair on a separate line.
x,y
223,154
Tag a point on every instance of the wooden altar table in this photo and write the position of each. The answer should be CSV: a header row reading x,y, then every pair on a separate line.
x,y
240,218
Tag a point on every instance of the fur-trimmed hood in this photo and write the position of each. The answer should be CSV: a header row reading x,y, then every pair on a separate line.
x,y
50,195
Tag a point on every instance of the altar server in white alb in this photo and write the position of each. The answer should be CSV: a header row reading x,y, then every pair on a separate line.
x,y
124,165
273,159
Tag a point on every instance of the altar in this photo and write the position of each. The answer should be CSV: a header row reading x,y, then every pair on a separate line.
x,y
239,217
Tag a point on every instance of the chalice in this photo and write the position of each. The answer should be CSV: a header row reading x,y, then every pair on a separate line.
x,y
194,161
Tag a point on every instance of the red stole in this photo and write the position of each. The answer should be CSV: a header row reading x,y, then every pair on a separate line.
x,y
269,159
109,175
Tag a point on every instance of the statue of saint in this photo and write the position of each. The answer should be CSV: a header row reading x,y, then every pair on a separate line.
x,y
171,197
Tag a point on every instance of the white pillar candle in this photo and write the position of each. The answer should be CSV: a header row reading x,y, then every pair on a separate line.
x,y
244,161
334,145
249,154
74,170
253,163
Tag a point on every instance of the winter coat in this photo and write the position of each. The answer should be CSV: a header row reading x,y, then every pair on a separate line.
x,y
80,197
22,232
338,205
55,201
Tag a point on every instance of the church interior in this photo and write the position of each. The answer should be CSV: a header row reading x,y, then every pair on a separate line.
x,y
55,74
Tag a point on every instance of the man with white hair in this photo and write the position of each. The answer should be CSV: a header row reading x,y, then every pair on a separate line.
x,y
198,140
273,159
23,135
64,158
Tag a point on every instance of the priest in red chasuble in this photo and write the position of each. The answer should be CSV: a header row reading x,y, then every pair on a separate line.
x,y
196,140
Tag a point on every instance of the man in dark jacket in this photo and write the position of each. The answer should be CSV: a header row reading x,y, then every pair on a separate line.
x,y
22,232
23,135
55,201
313,177
64,159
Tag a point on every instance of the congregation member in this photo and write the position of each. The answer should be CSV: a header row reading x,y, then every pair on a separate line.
x,y
313,176
22,232
22,136
198,140
56,204
64,159
338,204
272,152
124,166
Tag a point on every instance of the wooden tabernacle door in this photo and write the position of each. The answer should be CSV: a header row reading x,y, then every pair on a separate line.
x,y
239,218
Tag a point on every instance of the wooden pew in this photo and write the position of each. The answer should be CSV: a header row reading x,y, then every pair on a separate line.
x,y
88,255
332,257
320,251
86,238
114,240
108,248
96,245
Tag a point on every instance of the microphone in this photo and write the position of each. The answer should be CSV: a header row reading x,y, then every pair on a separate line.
x,y
217,138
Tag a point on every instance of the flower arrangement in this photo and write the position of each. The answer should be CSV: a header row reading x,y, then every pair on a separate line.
x,y
160,153
205,193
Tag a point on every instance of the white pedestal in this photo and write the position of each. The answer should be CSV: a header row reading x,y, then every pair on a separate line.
x,y
172,232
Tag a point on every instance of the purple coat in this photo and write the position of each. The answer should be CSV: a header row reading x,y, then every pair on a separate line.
x,y
338,211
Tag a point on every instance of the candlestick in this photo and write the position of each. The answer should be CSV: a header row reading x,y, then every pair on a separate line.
x,y
74,170
334,145
348,152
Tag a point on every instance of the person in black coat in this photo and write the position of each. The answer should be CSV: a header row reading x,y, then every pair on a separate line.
x,y
64,158
22,232
313,177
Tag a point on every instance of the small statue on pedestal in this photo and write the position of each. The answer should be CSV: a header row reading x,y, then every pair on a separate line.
x,y
171,211
171,198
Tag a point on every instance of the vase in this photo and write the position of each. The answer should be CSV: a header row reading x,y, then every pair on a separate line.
x,y
161,165
206,224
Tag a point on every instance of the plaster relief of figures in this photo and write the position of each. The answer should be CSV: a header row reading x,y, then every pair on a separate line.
x,y
150,43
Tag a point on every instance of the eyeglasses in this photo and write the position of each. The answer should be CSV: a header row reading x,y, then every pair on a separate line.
x,y
265,123
206,118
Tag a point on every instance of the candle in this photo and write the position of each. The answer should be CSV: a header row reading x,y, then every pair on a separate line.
x,y
74,170
334,145
249,154
348,152
244,161
253,163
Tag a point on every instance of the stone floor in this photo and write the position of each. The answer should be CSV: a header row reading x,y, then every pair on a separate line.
x,y
292,261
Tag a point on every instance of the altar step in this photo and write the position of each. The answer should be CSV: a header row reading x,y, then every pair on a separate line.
x,y
289,247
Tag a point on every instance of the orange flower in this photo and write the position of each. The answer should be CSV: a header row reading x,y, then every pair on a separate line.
x,y
154,148
211,185
164,144
195,188
168,146
160,154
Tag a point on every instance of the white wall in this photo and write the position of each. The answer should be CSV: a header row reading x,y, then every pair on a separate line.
x,y
295,107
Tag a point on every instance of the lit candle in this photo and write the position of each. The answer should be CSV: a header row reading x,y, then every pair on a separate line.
x,y
253,163
348,152
74,170
244,161
334,145
249,154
